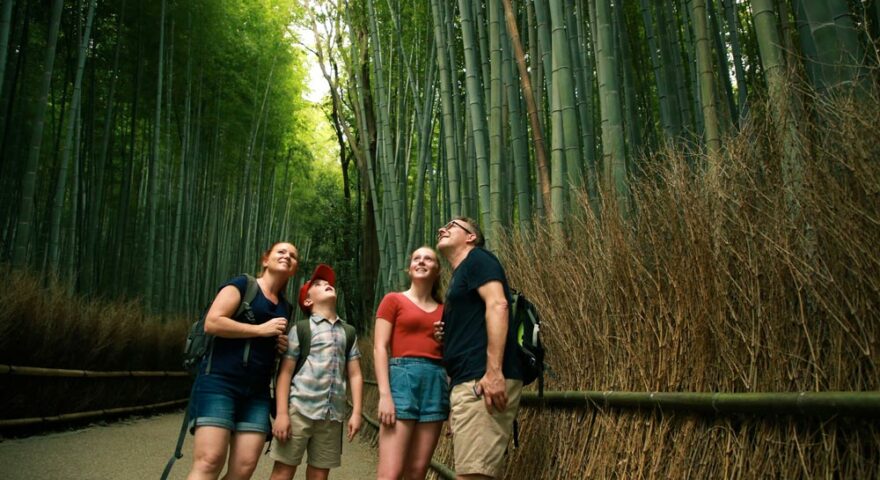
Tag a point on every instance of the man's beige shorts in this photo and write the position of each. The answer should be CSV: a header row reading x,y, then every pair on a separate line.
x,y
479,439
322,439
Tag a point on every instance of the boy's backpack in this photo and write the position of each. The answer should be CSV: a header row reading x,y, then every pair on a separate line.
x,y
304,336
527,323
198,343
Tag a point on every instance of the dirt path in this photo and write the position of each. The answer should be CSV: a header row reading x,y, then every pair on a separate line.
x,y
136,449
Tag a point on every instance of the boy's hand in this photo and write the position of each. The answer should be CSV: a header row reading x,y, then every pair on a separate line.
x,y
281,346
438,331
354,425
281,427
386,411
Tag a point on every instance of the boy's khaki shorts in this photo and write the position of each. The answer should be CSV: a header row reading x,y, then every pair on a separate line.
x,y
479,439
321,438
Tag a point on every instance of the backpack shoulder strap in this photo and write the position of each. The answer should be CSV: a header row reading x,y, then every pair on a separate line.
x,y
304,336
250,293
350,335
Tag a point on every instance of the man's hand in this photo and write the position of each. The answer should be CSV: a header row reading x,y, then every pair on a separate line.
x,y
354,425
387,415
438,331
281,427
494,390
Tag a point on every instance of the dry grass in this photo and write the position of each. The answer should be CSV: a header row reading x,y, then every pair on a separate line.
x,y
729,288
44,326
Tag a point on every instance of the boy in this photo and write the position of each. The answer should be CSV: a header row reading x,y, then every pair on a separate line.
x,y
312,420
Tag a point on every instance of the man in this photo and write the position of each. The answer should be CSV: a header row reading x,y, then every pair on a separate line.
x,y
478,352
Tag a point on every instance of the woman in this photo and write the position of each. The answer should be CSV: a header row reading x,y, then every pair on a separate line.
x,y
413,392
230,402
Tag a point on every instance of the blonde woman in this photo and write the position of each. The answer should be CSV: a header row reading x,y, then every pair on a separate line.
x,y
413,391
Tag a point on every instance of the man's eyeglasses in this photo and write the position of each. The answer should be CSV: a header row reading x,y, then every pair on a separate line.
x,y
454,223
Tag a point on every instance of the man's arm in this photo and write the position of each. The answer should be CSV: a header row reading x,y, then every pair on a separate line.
x,y
492,384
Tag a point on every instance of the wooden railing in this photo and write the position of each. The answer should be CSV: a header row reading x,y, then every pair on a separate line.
x,y
812,404
15,370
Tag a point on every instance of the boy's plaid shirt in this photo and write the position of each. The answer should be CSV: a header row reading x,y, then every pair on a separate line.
x,y
318,390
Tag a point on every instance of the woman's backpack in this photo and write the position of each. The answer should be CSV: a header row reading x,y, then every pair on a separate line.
x,y
198,343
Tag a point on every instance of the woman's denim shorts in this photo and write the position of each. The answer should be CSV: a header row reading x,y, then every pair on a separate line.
x,y
224,402
419,389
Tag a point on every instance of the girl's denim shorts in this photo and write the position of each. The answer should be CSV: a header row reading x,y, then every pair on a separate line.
x,y
221,401
419,389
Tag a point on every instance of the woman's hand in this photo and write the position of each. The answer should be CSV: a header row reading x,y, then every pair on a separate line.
x,y
276,326
387,415
281,427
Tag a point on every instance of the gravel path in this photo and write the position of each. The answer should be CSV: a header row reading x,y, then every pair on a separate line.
x,y
137,449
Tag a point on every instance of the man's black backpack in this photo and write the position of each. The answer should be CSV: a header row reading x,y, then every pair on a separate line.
x,y
199,345
528,329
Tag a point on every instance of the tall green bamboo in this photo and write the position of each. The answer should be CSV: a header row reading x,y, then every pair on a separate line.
x,y
838,50
706,72
152,201
73,117
476,116
516,120
29,179
496,91
5,22
660,75
393,215
446,107
543,176
563,81
613,157
736,51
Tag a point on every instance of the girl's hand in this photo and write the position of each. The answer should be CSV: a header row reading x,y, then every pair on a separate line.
x,y
387,415
438,331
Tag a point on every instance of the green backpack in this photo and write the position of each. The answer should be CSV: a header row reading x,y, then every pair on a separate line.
x,y
304,335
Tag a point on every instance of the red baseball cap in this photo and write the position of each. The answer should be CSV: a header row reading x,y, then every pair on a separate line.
x,y
322,272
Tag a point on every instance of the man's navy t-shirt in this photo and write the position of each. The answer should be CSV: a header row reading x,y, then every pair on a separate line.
x,y
464,318
228,355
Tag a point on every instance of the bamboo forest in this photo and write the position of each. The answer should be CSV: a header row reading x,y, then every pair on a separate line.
x,y
687,190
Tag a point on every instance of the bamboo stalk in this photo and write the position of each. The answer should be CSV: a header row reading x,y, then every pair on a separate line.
x,y
65,417
61,372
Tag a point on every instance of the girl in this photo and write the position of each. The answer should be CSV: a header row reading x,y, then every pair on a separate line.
x,y
413,392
